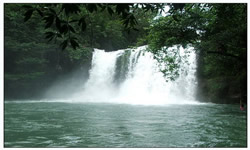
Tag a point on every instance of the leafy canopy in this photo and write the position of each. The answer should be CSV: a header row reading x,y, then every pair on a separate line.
x,y
214,29
64,21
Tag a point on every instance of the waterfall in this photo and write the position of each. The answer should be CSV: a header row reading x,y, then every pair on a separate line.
x,y
132,76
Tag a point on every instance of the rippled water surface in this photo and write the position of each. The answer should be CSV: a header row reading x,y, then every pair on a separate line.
x,y
58,124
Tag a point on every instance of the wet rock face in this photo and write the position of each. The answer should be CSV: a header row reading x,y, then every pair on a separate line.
x,y
122,67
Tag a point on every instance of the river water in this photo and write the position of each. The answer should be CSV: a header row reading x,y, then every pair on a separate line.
x,y
67,124
126,102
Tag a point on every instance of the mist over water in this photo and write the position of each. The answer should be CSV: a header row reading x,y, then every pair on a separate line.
x,y
125,77
132,76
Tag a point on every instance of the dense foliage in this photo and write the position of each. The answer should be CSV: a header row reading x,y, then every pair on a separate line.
x,y
32,63
218,33
66,21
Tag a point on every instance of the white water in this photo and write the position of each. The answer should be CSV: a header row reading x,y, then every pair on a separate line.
x,y
143,83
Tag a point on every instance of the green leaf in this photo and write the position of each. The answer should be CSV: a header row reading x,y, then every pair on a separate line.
x,y
102,6
49,34
125,15
49,20
74,44
110,10
27,6
58,23
64,44
40,13
73,21
53,11
71,29
177,6
82,23
28,14
135,29
64,29
59,35
84,26
126,22
70,8
91,7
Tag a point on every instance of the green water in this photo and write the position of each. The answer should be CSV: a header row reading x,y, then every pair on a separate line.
x,y
58,124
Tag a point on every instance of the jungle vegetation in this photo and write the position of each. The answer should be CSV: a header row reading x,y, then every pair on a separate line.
x,y
43,42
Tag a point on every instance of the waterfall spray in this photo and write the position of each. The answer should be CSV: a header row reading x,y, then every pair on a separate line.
x,y
132,76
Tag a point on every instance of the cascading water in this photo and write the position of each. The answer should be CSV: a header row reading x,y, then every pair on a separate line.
x,y
132,76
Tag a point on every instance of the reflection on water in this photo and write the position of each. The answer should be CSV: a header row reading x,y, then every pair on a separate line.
x,y
114,125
